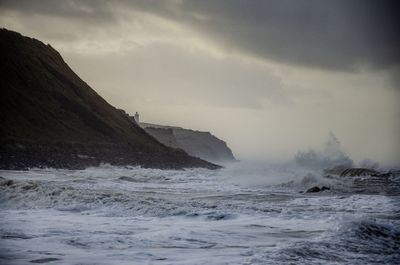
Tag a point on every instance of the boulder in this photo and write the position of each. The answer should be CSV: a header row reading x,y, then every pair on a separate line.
x,y
358,172
351,171
317,189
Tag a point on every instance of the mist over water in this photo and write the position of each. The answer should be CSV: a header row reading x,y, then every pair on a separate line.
x,y
331,156
305,169
264,173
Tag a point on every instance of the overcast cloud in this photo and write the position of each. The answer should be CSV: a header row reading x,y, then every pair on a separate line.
x,y
341,34
269,77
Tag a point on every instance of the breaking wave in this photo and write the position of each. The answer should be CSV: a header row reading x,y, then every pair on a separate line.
x,y
354,242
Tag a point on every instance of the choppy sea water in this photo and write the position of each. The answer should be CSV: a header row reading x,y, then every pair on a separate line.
x,y
113,215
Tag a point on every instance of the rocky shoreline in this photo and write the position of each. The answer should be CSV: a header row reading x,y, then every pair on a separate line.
x,y
24,155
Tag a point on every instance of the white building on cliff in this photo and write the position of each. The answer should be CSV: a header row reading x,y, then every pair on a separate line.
x,y
136,117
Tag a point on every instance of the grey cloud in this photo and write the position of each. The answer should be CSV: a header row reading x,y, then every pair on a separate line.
x,y
197,78
95,12
336,35
342,34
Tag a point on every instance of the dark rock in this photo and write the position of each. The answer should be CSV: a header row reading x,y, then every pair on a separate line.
x,y
317,189
335,170
358,172
313,189
351,172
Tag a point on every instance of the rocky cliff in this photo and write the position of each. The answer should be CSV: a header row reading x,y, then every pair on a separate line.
x,y
196,143
50,117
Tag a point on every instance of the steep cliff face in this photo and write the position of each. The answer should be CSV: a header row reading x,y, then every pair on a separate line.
x,y
50,117
196,143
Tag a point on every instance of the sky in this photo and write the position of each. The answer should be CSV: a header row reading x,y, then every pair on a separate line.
x,y
269,77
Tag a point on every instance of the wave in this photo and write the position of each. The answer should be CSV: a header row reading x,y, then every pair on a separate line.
x,y
289,176
356,242
382,184
135,209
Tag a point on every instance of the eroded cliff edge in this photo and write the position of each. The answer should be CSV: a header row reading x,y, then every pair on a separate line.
x,y
196,143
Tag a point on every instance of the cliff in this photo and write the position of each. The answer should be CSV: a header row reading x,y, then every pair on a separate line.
x,y
50,117
196,143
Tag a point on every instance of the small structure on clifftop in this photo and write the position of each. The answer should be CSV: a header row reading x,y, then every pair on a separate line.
x,y
136,117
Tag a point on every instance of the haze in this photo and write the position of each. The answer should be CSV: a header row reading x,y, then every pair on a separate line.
x,y
268,77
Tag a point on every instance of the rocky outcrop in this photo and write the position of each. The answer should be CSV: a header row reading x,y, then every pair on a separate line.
x,y
358,172
196,143
317,189
51,118
352,172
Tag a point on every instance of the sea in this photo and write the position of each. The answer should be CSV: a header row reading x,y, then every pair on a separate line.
x,y
245,213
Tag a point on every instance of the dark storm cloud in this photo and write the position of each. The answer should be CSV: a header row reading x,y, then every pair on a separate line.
x,y
338,35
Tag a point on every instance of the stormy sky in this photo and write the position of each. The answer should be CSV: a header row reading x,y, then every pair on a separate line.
x,y
268,77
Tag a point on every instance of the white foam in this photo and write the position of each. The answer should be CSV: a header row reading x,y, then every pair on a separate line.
x,y
114,215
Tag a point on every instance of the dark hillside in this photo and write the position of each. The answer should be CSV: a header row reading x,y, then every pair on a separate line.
x,y
50,117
